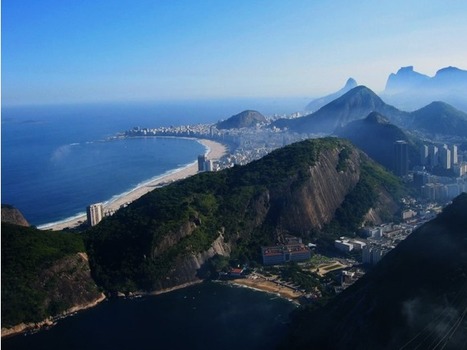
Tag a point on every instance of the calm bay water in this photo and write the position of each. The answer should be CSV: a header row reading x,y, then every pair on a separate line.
x,y
205,316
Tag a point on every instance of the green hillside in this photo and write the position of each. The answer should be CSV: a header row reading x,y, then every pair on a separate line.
x,y
139,246
27,253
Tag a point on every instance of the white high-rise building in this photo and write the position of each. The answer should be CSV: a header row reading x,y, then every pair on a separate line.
x,y
454,158
445,157
424,154
433,155
95,213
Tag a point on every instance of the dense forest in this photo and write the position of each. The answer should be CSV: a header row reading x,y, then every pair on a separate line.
x,y
27,253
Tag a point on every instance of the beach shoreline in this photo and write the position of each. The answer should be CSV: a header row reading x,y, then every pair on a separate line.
x,y
266,286
214,151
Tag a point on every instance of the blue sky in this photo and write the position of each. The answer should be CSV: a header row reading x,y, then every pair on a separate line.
x,y
73,51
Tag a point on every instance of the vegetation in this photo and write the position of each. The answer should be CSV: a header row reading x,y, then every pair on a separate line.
x,y
349,216
25,253
141,244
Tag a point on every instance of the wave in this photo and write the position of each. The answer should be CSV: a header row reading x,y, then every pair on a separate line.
x,y
114,198
59,222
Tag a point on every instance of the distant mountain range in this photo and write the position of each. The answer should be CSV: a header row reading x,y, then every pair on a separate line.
x,y
438,118
415,298
353,105
322,101
409,90
243,119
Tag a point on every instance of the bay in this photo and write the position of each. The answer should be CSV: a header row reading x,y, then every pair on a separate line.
x,y
204,316
56,160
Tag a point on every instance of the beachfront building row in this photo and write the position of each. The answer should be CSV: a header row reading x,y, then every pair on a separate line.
x,y
275,255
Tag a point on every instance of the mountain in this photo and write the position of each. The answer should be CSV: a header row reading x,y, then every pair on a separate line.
x,y
375,135
410,90
245,119
439,118
44,274
167,237
322,101
13,216
415,298
353,105
405,78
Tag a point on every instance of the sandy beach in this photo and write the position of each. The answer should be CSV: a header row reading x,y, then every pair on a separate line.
x,y
264,285
215,151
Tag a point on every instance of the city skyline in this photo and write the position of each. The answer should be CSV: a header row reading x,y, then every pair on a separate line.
x,y
57,52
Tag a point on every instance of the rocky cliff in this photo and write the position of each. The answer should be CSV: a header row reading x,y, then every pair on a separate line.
x,y
13,216
45,275
166,238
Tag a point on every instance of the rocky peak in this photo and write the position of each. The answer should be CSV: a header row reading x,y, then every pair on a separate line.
x,y
13,216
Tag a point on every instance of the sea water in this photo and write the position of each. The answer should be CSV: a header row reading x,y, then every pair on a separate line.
x,y
56,160
205,316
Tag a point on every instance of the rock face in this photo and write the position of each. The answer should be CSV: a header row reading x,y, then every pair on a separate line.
x,y
313,204
73,286
44,275
192,268
13,216
416,297
245,119
165,238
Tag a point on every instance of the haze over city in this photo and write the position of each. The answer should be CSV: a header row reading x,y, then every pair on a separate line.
x,y
56,52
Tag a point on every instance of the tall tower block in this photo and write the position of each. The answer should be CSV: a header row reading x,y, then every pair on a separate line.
x,y
401,158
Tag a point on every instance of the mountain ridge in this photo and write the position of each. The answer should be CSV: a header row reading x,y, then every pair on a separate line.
x,y
322,101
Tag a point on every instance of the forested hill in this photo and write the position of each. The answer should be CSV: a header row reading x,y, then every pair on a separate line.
x,y
44,274
415,298
166,237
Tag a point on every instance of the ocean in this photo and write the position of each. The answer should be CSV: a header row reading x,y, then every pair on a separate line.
x,y
204,316
56,160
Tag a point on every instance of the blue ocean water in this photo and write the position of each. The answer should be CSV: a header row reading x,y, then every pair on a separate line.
x,y
56,160
205,316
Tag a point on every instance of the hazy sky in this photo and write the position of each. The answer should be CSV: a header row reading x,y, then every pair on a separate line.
x,y
61,51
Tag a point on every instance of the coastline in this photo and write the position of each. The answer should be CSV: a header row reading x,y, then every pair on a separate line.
x,y
51,321
214,151
266,286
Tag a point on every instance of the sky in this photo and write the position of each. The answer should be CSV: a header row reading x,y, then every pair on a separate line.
x,y
79,51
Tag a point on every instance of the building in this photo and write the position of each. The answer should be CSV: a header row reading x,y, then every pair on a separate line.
x,y
433,150
94,213
201,162
424,155
372,254
445,157
343,245
275,255
401,158
454,156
